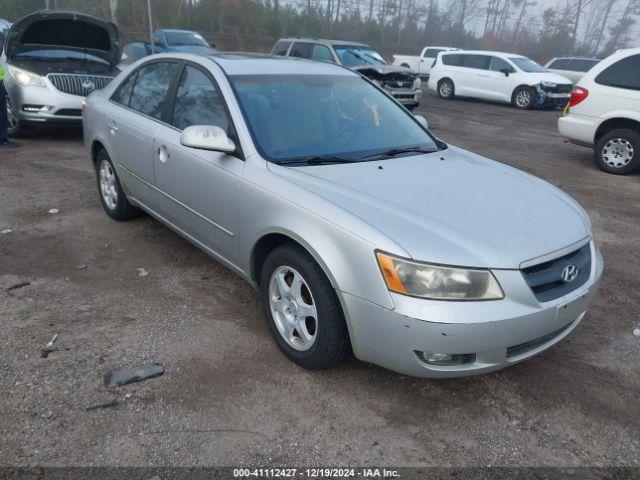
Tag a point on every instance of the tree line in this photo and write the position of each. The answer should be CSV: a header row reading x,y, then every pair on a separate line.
x,y
580,27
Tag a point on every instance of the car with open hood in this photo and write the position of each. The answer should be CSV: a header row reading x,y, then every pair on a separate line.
x,y
360,229
54,59
401,83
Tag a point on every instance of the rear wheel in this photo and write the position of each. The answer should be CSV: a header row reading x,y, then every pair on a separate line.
x,y
618,151
112,197
446,89
524,98
302,309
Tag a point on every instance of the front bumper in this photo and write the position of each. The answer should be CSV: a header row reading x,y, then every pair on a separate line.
x,y
410,98
55,106
493,334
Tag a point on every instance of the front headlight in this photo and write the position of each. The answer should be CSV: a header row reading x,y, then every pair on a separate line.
x,y
549,84
417,83
438,282
25,78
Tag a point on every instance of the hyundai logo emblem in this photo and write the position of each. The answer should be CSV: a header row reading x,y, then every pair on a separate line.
x,y
569,273
89,85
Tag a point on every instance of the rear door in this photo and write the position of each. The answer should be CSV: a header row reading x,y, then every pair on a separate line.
x,y
473,75
199,188
139,106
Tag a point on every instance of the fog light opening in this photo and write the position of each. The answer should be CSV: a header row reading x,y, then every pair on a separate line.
x,y
446,359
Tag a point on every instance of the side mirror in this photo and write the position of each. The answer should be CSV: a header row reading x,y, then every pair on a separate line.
x,y
506,71
207,137
422,121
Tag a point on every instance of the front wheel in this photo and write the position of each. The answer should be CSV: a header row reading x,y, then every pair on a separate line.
x,y
618,151
302,309
524,98
15,128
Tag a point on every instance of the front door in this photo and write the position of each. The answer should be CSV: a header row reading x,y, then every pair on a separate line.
x,y
199,188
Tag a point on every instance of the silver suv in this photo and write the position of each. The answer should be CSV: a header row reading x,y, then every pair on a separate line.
x,y
53,61
402,83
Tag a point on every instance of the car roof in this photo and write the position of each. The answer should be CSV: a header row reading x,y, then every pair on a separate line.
x,y
485,52
263,64
575,58
323,40
174,30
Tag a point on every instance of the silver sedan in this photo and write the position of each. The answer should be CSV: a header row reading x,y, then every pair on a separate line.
x,y
362,231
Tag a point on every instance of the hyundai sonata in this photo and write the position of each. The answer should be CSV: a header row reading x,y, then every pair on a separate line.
x,y
361,230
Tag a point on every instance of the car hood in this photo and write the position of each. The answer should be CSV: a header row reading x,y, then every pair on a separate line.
x,y
193,49
382,69
550,77
451,207
62,30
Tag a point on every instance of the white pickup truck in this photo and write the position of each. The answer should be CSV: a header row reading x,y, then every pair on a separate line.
x,y
421,64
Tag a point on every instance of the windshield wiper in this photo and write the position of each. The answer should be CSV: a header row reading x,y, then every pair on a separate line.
x,y
392,152
320,160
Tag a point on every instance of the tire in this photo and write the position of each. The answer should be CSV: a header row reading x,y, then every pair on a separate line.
x,y
618,151
112,197
15,127
318,340
524,98
446,89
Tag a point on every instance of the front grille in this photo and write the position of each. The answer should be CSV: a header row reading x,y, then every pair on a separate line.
x,y
533,344
546,279
559,88
81,85
399,83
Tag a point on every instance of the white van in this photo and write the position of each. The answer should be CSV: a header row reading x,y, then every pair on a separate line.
x,y
604,112
498,76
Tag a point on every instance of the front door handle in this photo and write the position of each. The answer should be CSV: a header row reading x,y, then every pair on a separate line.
x,y
163,153
113,128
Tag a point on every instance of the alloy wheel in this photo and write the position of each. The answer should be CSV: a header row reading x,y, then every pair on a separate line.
x,y
617,153
12,119
445,89
108,185
293,308
523,98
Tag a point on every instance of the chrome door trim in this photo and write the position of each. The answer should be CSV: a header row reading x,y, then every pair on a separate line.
x,y
186,207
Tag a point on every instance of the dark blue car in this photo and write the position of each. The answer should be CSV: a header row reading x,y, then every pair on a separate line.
x,y
185,41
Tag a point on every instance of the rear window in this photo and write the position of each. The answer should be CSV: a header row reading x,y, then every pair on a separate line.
x,y
281,48
455,60
624,73
560,64
432,52
582,64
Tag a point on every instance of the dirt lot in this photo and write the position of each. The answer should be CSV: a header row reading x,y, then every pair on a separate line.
x,y
228,396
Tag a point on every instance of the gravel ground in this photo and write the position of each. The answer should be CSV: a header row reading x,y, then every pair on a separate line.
x,y
228,396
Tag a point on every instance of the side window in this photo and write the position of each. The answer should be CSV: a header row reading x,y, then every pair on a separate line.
x,y
158,39
454,60
198,102
583,65
281,48
302,50
432,52
123,94
498,65
560,64
150,91
322,54
480,62
624,73
134,51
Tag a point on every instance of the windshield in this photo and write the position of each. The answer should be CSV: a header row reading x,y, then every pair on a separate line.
x,y
527,65
295,117
54,55
185,39
357,55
